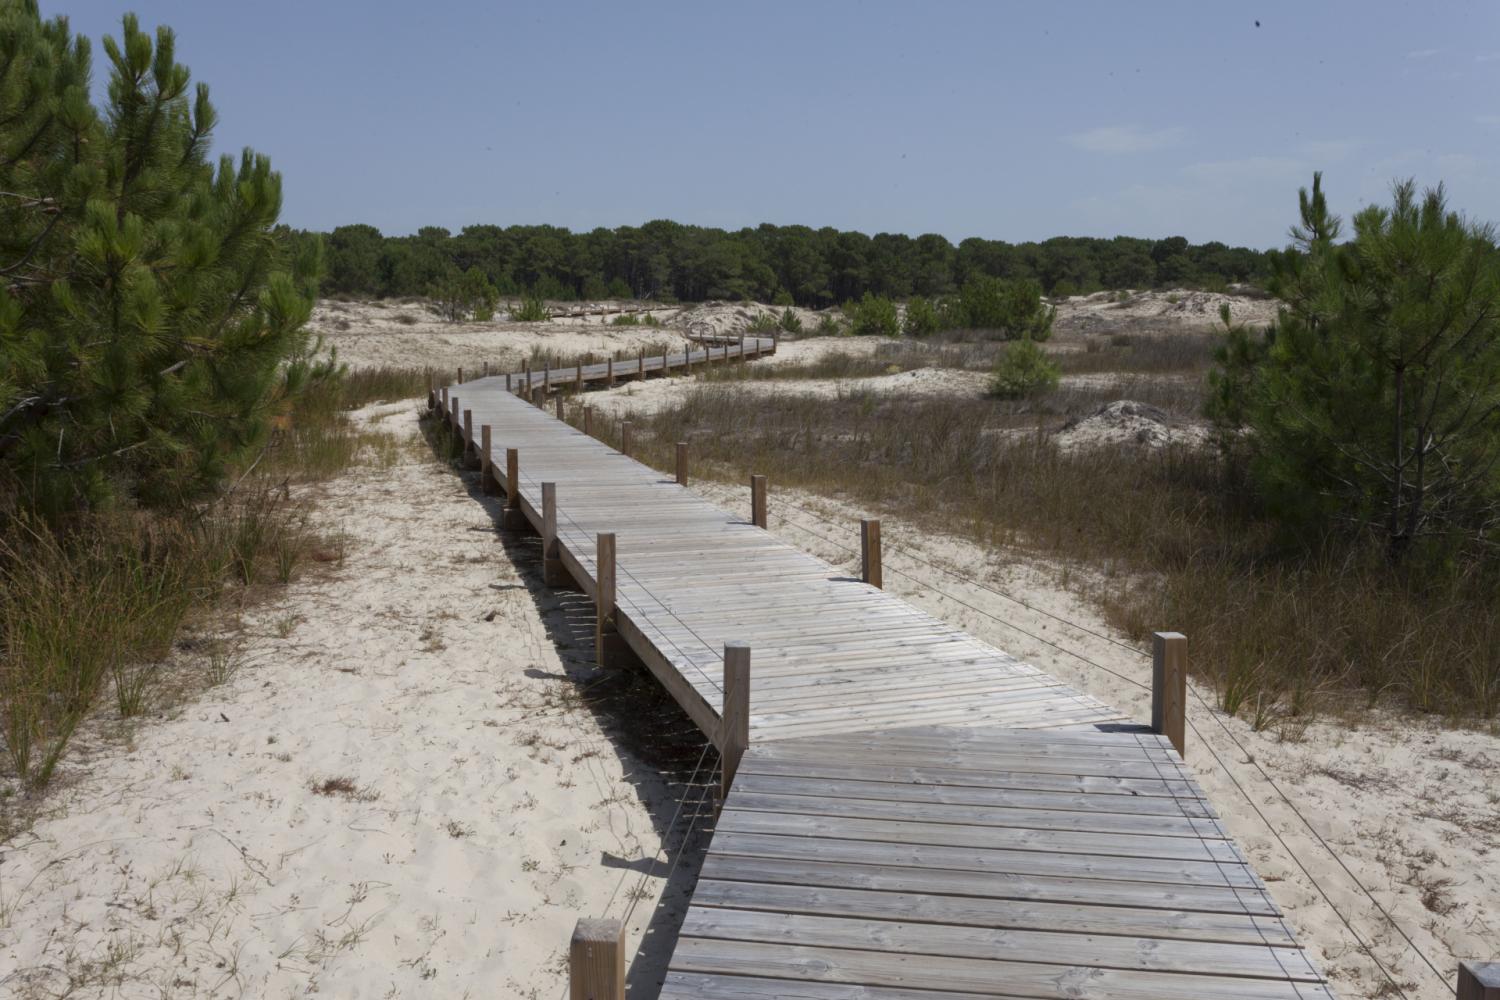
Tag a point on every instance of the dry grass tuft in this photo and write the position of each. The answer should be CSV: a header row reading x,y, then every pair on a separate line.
x,y
90,608
342,787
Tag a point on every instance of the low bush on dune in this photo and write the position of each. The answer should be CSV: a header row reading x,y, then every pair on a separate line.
x,y
531,309
1023,369
873,316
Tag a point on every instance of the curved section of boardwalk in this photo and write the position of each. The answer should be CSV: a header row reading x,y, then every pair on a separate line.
x,y
919,815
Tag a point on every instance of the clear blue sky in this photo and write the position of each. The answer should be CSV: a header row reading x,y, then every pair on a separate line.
x,y
1010,121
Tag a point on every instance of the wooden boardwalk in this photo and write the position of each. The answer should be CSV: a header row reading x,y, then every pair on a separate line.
x,y
919,815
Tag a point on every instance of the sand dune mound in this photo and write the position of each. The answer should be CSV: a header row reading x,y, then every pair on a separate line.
x,y
1126,422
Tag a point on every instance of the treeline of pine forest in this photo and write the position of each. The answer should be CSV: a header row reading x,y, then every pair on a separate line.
x,y
667,261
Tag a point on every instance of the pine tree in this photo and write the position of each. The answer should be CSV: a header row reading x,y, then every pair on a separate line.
x,y
1374,401
151,316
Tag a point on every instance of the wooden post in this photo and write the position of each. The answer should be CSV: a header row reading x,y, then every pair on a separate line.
x,y
553,574
1479,981
445,400
487,482
596,961
606,637
546,375
869,552
539,398
1169,686
758,501
734,720
453,412
486,369
471,449
665,364
609,373
625,437
742,348
681,463
578,377
559,406
507,383
514,519
460,376
588,420
640,364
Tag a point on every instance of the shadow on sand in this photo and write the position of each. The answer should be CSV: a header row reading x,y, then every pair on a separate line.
x,y
659,749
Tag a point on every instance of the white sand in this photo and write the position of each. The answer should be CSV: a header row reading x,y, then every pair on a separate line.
x,y
492,808
376,336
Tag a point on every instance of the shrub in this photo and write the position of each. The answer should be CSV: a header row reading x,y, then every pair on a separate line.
x,y
151,314
1023,369
650,320
531,309
1374,401
459,296
921,318
790,321
829,326
626,319
874,316
763,323
1012,308
782,298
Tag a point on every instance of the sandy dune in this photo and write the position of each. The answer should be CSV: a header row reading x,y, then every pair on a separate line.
x,y
490,800
498,787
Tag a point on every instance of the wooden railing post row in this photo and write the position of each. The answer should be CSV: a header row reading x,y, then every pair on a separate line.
x,y
869,553
1479,981
682,459
514,519
487,482
471,447
606,635
1169,687
596,960
553,574
758,501
734,717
